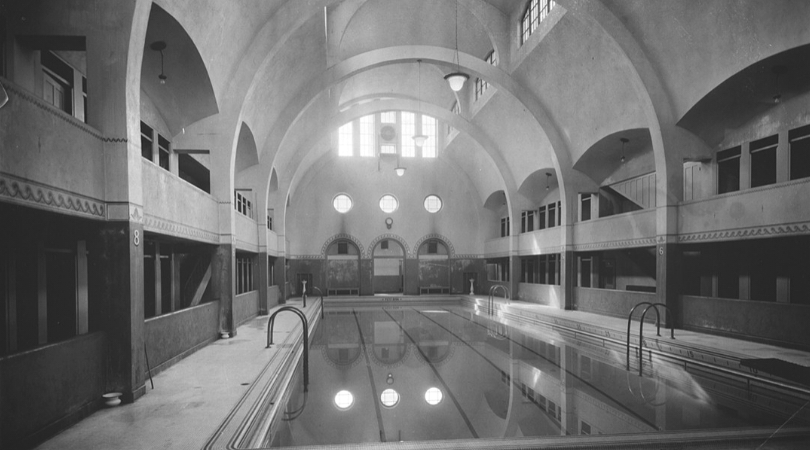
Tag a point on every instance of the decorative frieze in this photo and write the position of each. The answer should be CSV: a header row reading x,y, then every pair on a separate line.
x,y
346,236
40,195
444,239
160,225
625,243
748,233
381,237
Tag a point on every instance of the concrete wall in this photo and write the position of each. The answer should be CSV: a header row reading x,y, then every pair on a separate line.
x,y
539,242
172,337
35,402
775,323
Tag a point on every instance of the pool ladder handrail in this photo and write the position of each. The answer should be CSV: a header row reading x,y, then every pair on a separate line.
x,y
271,323
641,329
491,299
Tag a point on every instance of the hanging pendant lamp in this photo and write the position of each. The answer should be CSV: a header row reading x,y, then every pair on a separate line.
x,y
419,139
456,79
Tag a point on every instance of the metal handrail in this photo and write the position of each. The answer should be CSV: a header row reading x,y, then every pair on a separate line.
x,y
491,300
641,329
303,318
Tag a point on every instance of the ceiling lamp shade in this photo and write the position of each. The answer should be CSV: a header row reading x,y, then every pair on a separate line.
x,y
400,171
456,80
419,140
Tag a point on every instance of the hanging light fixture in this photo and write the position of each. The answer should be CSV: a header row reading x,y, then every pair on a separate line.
x,y
778,70
548,178
419,139
456,79
624,141
159,46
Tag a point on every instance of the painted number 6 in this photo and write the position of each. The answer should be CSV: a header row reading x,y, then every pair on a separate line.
x,y
136,239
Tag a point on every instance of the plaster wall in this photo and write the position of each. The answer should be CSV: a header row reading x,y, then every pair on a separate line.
x,y
311,218
615,229
247,237
498,246
46,145
718,37
767,206
171,200
540,242
567,62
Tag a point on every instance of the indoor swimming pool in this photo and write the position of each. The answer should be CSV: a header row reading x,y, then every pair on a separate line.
x,y
445,372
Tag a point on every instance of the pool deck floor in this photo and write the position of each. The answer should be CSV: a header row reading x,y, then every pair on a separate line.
x,y
192,398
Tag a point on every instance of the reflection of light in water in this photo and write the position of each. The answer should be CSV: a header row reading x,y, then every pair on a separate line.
x,y
433,396
344,400
389,398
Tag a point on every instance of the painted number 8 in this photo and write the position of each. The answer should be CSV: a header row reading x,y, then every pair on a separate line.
x,y
137,238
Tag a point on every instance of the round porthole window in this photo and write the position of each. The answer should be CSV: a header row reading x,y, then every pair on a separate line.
x,y
389,203
433,204
342,203
389,398
433,396
344,400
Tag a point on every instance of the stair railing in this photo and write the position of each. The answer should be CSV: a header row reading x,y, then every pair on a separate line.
x,y
303,318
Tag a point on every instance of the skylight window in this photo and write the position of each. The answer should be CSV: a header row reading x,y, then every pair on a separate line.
x,y
429,129
367,136
345,141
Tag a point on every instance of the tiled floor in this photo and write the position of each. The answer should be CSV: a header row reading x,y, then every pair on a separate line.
x,y
192,398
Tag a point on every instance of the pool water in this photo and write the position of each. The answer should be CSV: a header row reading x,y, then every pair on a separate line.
x,y
443,372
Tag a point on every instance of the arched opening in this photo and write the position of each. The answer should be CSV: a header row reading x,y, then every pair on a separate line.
x,y
434,267
343,268
389,257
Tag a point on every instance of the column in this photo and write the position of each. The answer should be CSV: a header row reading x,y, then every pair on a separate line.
x,y
223,268
262,278
668,276
568,280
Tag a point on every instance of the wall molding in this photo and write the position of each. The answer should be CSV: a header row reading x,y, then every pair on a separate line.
x,y
439,237
305,257
748,233
165,226
624,243
41,195
334,238
381,237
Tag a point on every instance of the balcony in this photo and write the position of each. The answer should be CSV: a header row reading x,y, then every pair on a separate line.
x,y
633,229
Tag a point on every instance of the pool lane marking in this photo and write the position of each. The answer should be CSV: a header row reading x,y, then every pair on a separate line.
x,y
621,405
370,378
439,377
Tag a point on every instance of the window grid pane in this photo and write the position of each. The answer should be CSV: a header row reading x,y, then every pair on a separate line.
x,y
388,117
433,204
345,141
429,130
408,130
388,203
342,203
367,136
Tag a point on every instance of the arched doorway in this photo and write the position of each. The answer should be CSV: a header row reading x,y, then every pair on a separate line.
x,y
343,268
434,267
388,256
